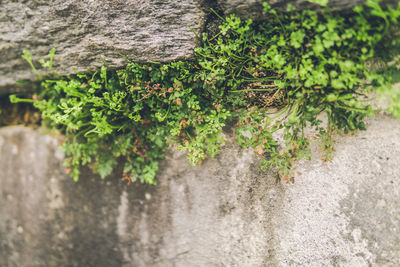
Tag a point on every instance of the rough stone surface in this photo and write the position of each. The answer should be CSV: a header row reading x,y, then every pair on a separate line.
x,y
223,213
85,31
346,212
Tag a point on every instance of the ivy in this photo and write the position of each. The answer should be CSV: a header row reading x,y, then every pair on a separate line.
x,y
298,64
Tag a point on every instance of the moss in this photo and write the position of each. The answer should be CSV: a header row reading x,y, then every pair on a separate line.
x,y
301,63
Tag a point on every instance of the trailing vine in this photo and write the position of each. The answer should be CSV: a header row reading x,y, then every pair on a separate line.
x,y
275,75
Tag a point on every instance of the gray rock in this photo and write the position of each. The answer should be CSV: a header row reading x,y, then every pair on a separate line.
x,y
83,32
223,213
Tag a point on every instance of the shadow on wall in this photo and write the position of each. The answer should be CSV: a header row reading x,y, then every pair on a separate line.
x,y
202,216
225,212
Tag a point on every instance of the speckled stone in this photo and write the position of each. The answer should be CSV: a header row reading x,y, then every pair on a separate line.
x,y
222,213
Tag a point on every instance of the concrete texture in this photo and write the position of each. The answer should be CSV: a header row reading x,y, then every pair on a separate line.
x,y
346,212
223,213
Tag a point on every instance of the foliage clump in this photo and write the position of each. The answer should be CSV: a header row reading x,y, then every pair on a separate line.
x,y
302,63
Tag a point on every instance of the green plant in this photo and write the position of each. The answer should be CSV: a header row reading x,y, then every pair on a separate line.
x,y
135,113
312,62
299,63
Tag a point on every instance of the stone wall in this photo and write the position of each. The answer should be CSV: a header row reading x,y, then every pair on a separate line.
x,y
83,32
222,213
225,212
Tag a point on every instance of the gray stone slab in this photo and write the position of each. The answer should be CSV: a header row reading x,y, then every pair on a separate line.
x,y
83,32
222,213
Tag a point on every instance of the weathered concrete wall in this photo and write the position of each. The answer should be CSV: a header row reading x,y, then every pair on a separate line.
x,y
223,213
83,32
